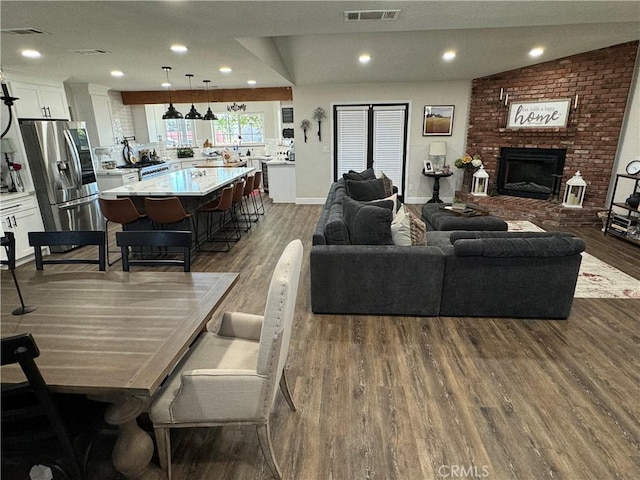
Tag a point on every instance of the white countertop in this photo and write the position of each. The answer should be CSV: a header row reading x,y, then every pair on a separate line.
x,y
192,182
281,162
9,197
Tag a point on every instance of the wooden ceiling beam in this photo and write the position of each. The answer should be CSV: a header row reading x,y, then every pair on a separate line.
x,y
215,96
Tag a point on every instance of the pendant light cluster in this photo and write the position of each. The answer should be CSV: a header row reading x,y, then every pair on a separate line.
x,y
173,114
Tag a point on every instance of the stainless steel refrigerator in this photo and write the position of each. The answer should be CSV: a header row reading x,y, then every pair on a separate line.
x,y
62,168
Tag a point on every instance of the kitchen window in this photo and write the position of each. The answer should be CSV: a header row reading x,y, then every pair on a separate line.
x,y
231,126
179,132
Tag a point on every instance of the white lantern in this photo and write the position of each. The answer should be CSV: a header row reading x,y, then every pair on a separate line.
x,y
480,183
574,192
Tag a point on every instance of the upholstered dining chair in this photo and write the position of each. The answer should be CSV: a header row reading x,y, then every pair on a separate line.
x,y
229,377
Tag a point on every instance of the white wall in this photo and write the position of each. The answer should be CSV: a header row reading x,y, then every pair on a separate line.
x,y
629,145
314,161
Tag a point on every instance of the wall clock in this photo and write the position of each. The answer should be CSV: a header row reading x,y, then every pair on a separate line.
x,y
633,168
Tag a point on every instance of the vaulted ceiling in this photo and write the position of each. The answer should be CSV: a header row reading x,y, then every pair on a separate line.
x,y
300,42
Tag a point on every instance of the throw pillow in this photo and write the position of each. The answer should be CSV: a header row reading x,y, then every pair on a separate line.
x,y
401,228
368,223
388,184
366,190
367,174
418,229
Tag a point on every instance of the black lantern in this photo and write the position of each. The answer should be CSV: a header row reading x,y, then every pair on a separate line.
x,y
209,115
193,113
171,113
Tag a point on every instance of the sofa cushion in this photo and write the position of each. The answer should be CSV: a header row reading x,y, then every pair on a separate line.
x,y
366,190
418,229
401,228
368,223
457,235
519,247
367,174
335,228
388,184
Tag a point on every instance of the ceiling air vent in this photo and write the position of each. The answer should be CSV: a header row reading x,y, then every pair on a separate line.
x,y
368,15
90,51
23,31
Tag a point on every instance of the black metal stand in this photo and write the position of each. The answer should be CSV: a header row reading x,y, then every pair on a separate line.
x,y
9,244
22,309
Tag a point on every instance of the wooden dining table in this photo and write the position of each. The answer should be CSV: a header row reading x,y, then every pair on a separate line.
x,y
113,336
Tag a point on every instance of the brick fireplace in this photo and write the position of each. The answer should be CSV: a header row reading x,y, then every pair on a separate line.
x,y
601,80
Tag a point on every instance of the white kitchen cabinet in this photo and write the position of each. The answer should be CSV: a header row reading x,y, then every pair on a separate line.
x,y
90,103
192,163
113,179
282,181
20,216
148,124
40,101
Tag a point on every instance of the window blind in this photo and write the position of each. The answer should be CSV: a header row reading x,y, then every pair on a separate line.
x,y
351,146
388,142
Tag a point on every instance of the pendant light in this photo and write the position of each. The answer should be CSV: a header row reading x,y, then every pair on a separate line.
x,y
171,113
209,115
193,113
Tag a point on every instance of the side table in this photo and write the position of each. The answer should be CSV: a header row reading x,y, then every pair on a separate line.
x,y
436,184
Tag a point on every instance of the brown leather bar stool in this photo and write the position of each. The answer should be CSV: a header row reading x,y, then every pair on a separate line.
x,y
246,195
118,210
222,206
167,211
238,194
257,180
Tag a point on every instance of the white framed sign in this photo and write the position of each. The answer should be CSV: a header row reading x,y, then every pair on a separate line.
x,y
539,114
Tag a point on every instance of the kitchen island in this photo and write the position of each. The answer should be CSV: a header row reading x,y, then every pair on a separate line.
x,y
193,186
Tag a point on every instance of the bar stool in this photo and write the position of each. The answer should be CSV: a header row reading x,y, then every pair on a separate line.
x,y
238,195
118,210
257,179
248,188
168,211
222,205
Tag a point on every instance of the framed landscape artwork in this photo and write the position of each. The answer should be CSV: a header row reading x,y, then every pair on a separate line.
x,y
438,120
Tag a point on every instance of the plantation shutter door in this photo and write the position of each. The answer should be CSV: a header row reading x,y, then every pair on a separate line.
x,y
351,145
389,142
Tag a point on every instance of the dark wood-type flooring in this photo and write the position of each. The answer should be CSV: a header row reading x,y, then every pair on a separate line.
x,y
428,398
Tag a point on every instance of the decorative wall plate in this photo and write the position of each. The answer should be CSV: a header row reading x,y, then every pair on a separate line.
x,y
633,168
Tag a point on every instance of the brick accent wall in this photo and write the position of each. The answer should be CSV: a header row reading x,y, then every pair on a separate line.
x,y
601,79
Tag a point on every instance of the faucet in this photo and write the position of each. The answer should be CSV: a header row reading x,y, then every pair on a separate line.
x,y
235,145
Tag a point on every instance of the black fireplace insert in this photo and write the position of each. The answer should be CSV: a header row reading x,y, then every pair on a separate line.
x,y
531,172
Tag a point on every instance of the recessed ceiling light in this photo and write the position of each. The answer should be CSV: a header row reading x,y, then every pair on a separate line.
x,y
536,52
165,85
450,55
364,58
225,69
31,53
179,48
117,73
251,82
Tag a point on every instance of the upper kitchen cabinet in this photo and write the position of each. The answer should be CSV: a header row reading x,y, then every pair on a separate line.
x,y
40,100
90,104
148,123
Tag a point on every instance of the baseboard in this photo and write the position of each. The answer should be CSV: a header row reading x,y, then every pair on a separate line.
x,y
310,201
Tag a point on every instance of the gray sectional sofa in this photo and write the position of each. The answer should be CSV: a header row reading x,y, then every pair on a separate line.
x,y
485,274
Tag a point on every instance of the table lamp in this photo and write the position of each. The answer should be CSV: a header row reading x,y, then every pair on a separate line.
x,y
438,150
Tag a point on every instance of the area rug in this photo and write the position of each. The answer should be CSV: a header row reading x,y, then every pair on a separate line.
x,y
596,279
